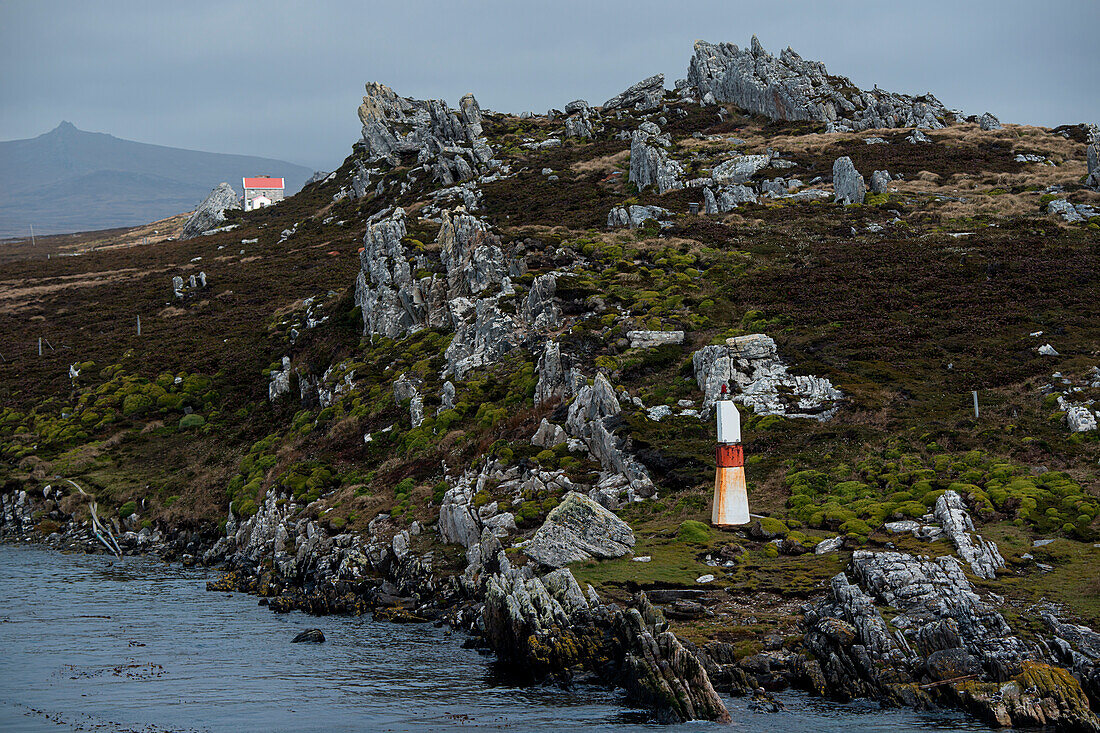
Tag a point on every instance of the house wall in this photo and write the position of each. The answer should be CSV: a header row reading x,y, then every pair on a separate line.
x,y
275,194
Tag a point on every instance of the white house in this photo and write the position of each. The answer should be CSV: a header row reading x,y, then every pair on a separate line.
x,y
260,191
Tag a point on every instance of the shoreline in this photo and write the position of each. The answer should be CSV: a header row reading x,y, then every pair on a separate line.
x,y
540,628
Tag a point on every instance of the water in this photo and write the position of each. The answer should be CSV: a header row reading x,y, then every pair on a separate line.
x,y
94,644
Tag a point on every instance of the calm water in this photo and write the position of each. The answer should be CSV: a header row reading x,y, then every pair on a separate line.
x,y
92,644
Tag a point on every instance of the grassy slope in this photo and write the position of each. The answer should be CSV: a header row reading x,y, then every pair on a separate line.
x,y
906,322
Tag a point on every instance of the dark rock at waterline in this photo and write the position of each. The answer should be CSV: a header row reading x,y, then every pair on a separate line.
x,y
313,636
949,664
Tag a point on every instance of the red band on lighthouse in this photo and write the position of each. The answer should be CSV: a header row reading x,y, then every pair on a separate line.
x,y
730,455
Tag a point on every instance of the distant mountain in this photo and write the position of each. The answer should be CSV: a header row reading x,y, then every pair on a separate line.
x,y
70,180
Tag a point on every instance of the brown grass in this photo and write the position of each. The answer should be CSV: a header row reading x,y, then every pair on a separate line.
x,y
603,164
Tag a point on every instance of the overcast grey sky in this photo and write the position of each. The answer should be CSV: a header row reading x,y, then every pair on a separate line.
x,y
283,79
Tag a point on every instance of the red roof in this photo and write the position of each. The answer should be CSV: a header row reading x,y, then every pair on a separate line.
x,y
263,183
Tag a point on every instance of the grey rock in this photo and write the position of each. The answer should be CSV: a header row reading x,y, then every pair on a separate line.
x,y
739,169
981,554
918,137
644,95
549,435
280,381
989,122
1092,155
651,339
211,212
830,545
650,164
578,127
579,529
790,88
750,368
848,184
880,181
1066,210
635,216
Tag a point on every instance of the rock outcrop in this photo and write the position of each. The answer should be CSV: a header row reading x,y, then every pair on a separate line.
x,y
750,368
788,87
982,555
1092,155
941,630
448,143
650,163
211,212
644,95
545,627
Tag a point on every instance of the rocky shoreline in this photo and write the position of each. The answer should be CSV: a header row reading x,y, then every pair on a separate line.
x,y
942,646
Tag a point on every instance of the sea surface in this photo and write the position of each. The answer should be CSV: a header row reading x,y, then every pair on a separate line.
x,y
92,643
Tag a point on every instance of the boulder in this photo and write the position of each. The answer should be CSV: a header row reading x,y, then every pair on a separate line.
x,y
739,169
579,529
988,121
312,636
635,216
880,181
918,137
848,184
211,212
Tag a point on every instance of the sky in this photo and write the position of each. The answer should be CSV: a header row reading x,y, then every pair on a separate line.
x,y
283,79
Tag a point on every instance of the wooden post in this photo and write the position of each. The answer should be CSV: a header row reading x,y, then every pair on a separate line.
x,y
40,346
975,404
139,325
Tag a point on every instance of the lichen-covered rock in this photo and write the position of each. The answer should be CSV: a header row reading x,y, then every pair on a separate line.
x,y
659,673
579,529
848,184
788,87
211,212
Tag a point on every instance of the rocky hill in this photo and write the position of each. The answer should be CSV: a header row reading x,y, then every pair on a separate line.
x,y
469,377
69,180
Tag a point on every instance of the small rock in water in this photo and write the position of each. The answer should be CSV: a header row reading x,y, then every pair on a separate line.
x,y
314,636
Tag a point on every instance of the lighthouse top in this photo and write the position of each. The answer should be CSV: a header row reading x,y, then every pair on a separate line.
x,y
729,422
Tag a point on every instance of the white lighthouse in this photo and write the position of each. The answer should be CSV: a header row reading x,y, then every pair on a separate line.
x,y
731,499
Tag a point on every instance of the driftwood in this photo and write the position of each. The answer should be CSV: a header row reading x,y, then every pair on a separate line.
x,y
953,680
99,528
